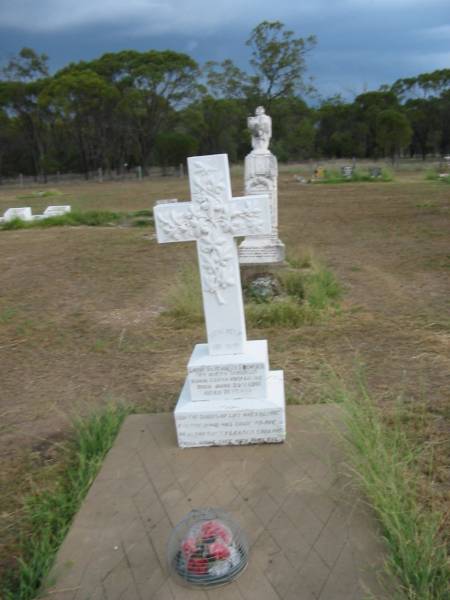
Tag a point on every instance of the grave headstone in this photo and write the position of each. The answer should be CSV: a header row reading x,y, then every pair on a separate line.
x,y
230,396
375,172
261,177
347,171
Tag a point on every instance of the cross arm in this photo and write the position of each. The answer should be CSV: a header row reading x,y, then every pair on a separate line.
x,y
174,223
250,215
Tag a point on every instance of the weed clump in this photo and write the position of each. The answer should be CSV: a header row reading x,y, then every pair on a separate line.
x,y
434,175
47,515
386,465
184,302
295,297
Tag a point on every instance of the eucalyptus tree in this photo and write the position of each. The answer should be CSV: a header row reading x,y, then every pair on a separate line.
x,y
394,132
84,103
279,61
24,78
151,85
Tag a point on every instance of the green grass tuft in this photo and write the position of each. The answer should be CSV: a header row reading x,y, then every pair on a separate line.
x,y
7,314
48,514
431,175
282,313
385,463
306,296
300,260
185,305
434,175
145,212
335,176
13,224
321,288
294,284
41,194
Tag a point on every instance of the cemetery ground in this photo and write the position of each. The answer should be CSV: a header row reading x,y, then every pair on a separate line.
x,y
82,323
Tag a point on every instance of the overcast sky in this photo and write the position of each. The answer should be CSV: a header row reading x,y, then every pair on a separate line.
x,y
361,43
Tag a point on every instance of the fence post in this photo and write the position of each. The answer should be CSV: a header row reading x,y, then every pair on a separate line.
x,y
21,180
100,174
139,172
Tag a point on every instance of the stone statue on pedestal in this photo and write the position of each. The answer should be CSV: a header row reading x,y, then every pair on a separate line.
x,y
261,128
261,175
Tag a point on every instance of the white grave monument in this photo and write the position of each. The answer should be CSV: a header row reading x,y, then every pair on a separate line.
x,y
230,396
53,211
261,176
56,211
23,213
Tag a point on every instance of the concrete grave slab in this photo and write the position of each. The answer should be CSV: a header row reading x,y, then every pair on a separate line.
x,y
312,536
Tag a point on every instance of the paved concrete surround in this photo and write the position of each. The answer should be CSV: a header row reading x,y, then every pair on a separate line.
x,y
311,535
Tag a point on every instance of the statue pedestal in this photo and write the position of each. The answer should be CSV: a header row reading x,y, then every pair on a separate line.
x,y
261,250
261,177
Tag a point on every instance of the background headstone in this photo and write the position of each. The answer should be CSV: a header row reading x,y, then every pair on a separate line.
x,y
261,176
375,172
347,171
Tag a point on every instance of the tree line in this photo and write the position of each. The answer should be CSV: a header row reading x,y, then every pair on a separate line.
x,y
132,108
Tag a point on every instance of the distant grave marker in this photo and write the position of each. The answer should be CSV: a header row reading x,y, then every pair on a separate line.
x,y
347,171
25,213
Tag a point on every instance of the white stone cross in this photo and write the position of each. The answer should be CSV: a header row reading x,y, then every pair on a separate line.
x,y
213,219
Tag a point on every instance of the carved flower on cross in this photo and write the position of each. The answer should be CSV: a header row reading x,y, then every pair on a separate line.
x,y
211,221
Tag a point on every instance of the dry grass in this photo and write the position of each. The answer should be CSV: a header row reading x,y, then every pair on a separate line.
x,y
80,318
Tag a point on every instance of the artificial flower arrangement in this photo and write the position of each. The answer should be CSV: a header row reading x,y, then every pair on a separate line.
x,y
209,553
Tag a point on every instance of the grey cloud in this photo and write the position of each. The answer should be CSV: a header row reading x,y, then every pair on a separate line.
x,y
361,43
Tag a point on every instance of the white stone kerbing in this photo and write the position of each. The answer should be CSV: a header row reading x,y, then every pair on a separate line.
x,y
56,211
24,213
53,211
230,396
261,176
